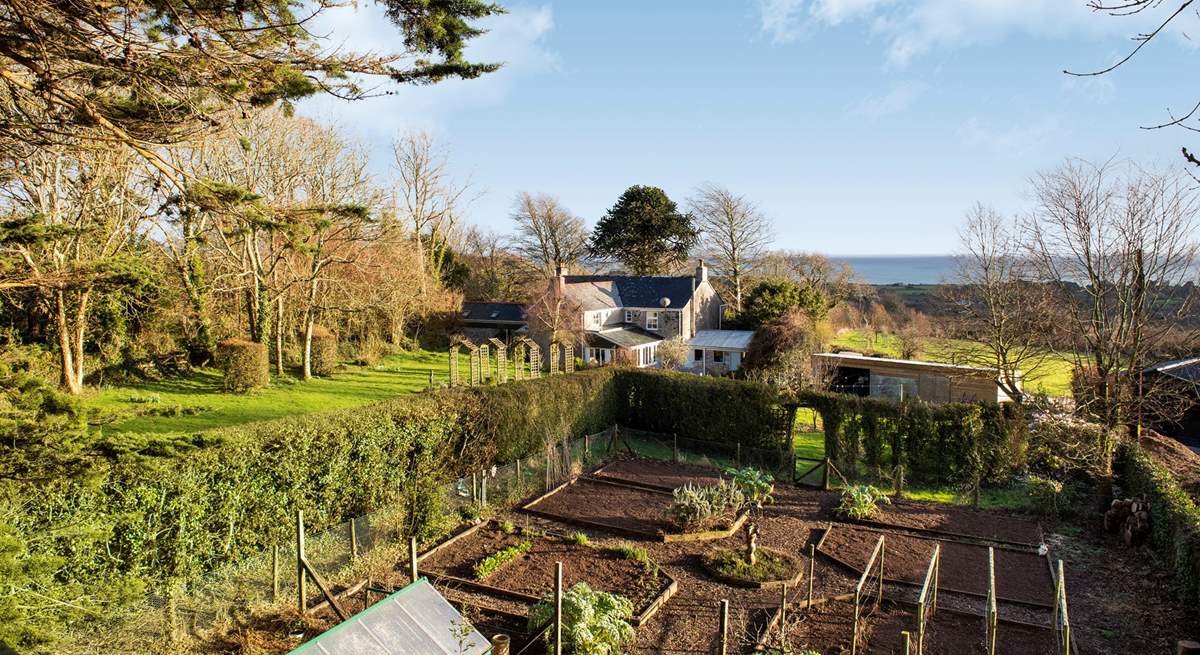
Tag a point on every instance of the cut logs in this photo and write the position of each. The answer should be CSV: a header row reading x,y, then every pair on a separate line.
x,y
1129,517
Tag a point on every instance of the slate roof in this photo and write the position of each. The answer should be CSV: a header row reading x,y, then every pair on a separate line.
x,y
722,339
493,312
638,290
1187,370
627,336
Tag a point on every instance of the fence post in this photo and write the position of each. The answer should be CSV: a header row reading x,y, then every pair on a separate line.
x,y
558,594
825,475
483,488
274,573
975,494
412,558
904,637
301,589
724,627
353,540
812,565
675,446
783,618
898,479
474,488
738,460
431,379
500,645
547,469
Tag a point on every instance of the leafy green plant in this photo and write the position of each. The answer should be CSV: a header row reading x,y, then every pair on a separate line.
x,y
861,501
594,622
630,551
578,538
507,527
693,507
492,563
756,486
1046,494
768,565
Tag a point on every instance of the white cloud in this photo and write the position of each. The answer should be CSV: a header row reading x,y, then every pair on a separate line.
x,y
1014,141
516,39
912,28
900,97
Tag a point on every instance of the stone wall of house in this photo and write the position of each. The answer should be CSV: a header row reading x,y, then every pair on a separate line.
x,y
713,367
708,307
670,324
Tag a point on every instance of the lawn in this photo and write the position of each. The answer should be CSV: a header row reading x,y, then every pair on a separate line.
x,y
197,402
1054,378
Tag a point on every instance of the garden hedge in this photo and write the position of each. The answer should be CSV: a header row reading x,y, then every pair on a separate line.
x,y
1174,515
951,443
244,363
158,510
324,351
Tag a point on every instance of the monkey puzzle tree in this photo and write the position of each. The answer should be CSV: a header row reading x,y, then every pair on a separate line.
x,y
644,231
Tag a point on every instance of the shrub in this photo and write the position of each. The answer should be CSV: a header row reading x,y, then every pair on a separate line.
x,y
1065,445
578,538
244,363
695,507
1045,494
861,501
756,486
324,351
492,563
594,622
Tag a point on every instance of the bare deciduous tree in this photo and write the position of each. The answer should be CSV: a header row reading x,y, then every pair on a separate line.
x,y
427,198
547,233
1002,313
1118,244
734,233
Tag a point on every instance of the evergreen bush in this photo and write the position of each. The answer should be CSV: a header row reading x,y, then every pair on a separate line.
x,y
324,351
244,363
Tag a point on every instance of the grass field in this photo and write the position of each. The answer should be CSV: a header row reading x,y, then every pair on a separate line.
x,y
1054,379
197,402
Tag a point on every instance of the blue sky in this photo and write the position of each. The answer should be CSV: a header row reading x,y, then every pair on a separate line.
x,y
859,126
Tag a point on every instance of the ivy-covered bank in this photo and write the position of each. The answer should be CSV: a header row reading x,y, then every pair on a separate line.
x,y
1174,516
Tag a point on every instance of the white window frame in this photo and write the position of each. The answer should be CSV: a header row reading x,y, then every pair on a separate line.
x,y
652,316
597,320
718,356
628,315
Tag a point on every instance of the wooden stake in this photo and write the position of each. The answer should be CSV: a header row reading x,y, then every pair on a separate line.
x,y
500,645
904,638
353,539
483,489
738,460
274,573
558,594
812,565
783,617
312,573
675,446
724,627
301,582
825,475
412,559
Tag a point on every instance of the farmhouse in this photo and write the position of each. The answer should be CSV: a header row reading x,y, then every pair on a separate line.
x,y
627,316
880,377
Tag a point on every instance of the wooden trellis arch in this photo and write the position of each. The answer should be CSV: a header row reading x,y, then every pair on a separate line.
x,y
457,342
501,360
563,351
525,348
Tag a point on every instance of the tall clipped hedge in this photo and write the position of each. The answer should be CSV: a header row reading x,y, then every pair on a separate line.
x,y
244,363
324,351
1174,515
705,408
937,444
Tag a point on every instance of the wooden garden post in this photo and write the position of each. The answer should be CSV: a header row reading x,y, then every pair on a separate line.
x,y
783,617
825,475
483,488
500,645
904,637
812,565
412,558
274,573
431,379
724,627
353,540
675,446
738,456
558,595
485,362
301,588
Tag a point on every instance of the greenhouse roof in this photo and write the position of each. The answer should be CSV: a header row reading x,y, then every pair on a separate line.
x,y
416,620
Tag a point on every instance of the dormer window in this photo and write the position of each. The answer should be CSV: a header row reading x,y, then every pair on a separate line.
x,y
652,321
629,314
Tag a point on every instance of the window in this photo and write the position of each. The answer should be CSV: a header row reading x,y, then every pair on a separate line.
x,y
652,320
698,356
718,356
629,313
595,319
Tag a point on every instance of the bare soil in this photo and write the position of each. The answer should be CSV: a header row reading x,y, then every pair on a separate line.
x,y
652,473
459,560
1020,576
955,519
610,505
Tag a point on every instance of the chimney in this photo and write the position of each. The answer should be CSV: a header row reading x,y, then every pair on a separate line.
x,y
701,273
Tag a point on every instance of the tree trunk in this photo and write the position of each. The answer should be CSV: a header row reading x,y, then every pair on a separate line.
x,y
308,332
70,382
279,337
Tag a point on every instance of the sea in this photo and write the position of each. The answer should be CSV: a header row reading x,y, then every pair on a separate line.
x,y
899,269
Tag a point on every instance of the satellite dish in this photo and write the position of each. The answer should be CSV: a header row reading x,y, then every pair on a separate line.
x,y
664,302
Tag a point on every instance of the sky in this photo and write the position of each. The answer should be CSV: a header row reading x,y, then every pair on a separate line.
x,y
860,127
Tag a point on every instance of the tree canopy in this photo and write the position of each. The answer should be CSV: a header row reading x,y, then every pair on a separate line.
x,y
644,231
774,297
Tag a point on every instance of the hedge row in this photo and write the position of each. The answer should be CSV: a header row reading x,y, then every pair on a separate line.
x,y
951,443
705,408
167,510
1174,515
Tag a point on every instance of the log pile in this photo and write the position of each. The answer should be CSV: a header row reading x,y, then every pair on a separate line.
x,y
1129,517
